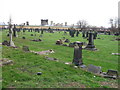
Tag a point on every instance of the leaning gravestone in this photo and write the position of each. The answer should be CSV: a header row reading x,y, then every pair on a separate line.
x,y
26,48
94,69
77,58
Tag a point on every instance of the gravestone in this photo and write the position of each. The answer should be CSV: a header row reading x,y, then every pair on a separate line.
x,y
8,35
59,42
26,48
83,34
67,40
5,42
64,45
23,37
71,44
112,73
86,34
50,58
77,58
41,35
90,45
77,33
14,31
94,69
31,34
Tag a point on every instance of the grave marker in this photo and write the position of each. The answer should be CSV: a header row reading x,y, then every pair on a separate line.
x,y
77,58
94,69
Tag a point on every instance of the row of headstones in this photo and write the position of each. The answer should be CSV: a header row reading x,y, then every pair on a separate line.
x,y
90,45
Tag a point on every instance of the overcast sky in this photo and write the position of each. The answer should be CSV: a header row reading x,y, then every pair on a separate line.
x,y
96,12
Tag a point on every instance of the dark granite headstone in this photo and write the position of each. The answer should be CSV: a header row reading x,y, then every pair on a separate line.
x,y
94,69
86,34
8,35
14,31
23,37
90,45
67,40
77,58
31,34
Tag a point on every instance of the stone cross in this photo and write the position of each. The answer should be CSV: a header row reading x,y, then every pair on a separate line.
x,y
77,58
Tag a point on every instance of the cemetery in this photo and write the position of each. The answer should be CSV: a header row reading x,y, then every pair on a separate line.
x,y
58,58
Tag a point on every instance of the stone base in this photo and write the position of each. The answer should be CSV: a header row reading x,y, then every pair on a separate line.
x,y
92,49
83,66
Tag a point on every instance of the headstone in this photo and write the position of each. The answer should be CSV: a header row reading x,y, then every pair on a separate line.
x,y
59,42
71,44
94,69
41,35
83,34
77,58
39,73
67,40
87,34
90,44
31,34
64,44
77,33
14,31
112,73
5,42
26,48
50,58
8,35
23,37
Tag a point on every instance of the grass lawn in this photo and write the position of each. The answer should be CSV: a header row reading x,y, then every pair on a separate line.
x,y
22,74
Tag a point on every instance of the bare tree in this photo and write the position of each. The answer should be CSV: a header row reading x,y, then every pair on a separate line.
x,y
82,24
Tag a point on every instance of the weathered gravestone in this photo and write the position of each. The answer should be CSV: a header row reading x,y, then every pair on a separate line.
x,y
5,42
50,58
77,33
71,44
31,34
23,37
14,31
8,35
90,45
67,40
87,34
40,35
95,35
59,42
26,48
94,69
83,34
77,58
112,73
